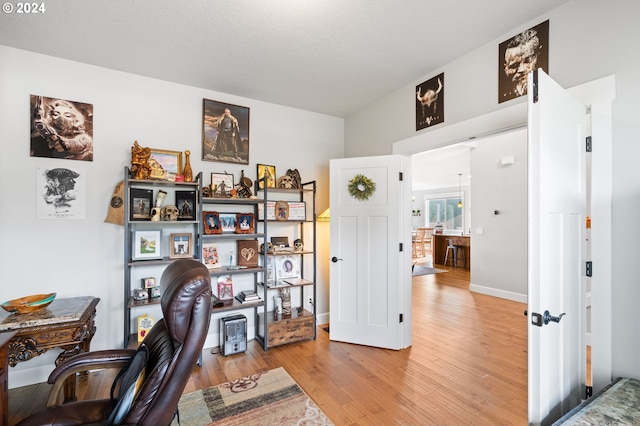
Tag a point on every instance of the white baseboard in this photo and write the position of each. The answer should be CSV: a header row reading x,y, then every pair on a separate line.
x,y
490,291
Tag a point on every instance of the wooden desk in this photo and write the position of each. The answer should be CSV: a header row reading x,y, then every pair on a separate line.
x,y
439,248
67,324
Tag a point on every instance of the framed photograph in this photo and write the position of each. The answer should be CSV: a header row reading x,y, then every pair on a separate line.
x,y
282,210
186,204
297,210
149,282
268,173
244,223
225,288
211,221
164,162
287,267
210,256
518,56
248,253
147,245
225,132
271,210
140,204
430,102
180,245
227,222
221,184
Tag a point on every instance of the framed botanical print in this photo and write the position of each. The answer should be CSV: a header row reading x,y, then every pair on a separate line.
x,y
268,173
211,221
225,132
244,223
180,245
147,245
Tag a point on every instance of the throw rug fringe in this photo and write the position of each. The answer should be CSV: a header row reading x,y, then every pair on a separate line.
x,y
268,398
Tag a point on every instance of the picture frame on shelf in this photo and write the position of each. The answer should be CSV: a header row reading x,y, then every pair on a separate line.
x,y
280,242
271,209
148,282
186,204
227,222
210,256
221,185
230,145
165,163
297,210
180,245
211,221
140,204
225,288
287,266
282,210
147,244
245,223
269,173
248,254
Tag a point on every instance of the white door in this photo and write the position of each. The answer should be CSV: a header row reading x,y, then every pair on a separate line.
x,y
557,205
370,249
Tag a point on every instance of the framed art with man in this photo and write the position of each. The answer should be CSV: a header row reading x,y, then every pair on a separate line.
x,y
225,132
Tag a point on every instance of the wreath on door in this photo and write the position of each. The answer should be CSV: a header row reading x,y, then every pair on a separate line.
x,y
361,187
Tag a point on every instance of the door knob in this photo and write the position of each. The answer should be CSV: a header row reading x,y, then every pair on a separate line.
x,y
335,259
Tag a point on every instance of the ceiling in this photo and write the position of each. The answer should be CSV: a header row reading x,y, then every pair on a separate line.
x,y
326,56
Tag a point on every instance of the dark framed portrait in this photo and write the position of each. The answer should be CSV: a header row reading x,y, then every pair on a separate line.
x,y
244,223
61,128
186,204
225,132
520,55
268,173
430,102
140,204
211,221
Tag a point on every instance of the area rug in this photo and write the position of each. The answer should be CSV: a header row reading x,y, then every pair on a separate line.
x,y
426,270
268,398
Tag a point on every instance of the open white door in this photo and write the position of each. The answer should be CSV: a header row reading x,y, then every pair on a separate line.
x,y
370,291
557,206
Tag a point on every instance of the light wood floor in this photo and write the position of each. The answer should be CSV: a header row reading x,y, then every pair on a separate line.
x,y
467,365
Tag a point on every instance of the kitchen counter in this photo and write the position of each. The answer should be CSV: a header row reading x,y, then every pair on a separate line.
x,y
439,249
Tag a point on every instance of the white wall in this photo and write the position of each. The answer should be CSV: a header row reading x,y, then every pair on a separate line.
x,y
587,41
85,257
499,242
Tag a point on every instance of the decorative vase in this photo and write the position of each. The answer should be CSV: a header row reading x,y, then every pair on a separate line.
x,y
188,173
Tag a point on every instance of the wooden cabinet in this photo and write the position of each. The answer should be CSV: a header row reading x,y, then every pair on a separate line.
x,y
281,329
439,248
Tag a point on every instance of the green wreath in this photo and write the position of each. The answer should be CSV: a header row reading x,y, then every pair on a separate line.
x,y
361,187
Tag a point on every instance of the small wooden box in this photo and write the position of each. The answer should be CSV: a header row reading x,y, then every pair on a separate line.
x,y
286,329
248,254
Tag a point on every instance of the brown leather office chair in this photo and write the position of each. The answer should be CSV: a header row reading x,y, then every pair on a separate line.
x,y
174,345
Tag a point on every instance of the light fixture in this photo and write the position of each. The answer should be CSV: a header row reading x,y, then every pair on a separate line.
x,y
325,216
460,189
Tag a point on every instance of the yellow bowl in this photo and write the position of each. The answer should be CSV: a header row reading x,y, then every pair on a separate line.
x,y
28,304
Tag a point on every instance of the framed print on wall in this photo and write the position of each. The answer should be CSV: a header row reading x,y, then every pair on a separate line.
x,y
225,132
430,102
267,172
518,56
180,245
147,245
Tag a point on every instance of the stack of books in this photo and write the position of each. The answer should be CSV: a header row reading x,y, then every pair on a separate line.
x,y
248,296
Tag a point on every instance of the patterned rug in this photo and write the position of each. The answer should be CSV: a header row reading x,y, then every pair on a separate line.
x,y
268,398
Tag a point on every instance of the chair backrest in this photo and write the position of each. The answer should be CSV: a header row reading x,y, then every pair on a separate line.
x,y
419,235
175,342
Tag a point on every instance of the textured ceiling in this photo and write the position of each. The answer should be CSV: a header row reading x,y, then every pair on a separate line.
x,y
327,56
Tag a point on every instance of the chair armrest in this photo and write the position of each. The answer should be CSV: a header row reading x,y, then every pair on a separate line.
x,y
113,358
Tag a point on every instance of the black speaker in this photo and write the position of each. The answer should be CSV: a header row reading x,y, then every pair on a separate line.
x,y
233,334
